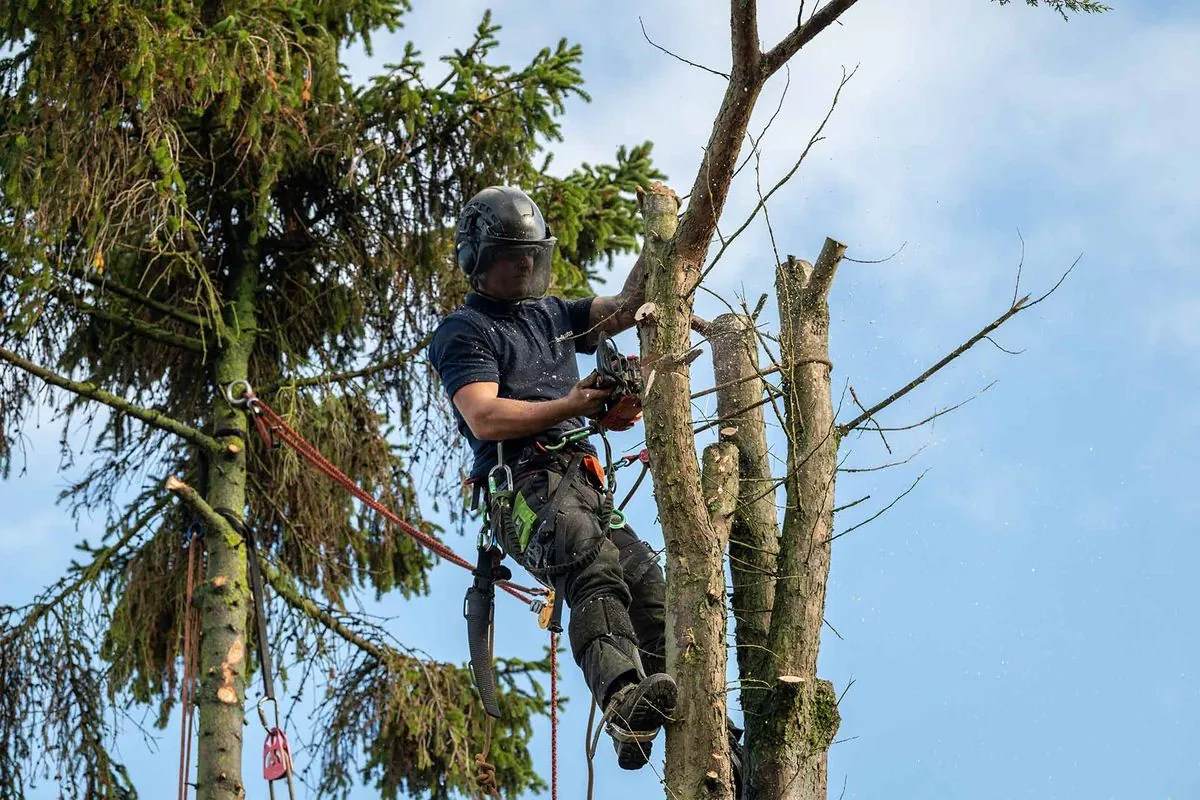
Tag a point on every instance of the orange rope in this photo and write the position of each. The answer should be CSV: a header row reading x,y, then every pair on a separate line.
x,y
268,422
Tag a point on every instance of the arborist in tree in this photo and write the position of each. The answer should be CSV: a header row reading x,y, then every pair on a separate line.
x,y
507,361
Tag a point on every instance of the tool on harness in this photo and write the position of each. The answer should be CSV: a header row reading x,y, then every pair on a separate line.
x,y
477,609
479,604
622,374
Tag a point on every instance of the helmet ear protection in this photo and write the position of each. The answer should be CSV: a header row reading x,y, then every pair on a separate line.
x,y
466,249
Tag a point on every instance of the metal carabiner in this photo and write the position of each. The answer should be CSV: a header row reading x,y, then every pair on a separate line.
x,y
570,437
241,399
503,470
262,715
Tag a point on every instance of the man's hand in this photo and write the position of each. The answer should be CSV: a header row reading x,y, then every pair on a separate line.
x,y
496,419
587,397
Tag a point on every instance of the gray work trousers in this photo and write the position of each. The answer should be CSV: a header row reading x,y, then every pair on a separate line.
x,y
613,582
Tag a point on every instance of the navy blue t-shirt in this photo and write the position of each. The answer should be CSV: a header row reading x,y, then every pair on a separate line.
x,y
528,348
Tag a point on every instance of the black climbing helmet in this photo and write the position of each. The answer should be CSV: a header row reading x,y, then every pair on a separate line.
x,y
497,218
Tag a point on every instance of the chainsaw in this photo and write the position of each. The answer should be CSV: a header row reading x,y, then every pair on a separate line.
x,y
623,375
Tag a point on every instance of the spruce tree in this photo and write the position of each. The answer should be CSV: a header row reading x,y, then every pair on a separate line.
x,y
193,195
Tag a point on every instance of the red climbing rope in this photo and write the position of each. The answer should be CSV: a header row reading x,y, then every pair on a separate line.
x,y
272,423
553,715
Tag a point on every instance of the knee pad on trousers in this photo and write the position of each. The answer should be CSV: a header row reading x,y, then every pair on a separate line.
x,y
604,645
600,617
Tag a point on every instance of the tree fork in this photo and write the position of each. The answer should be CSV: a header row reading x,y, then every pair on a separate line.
x,y
225,606
791,762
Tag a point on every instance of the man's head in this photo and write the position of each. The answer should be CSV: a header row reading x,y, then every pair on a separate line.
x,y
504,245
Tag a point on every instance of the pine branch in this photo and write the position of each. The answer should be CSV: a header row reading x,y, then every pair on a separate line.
x,y
144,329
105,285
201,507
155,419
89,573
365,372
305,605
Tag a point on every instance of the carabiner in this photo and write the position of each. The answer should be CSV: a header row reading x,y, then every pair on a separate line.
x,y
268,727
241,399
570,437
503,469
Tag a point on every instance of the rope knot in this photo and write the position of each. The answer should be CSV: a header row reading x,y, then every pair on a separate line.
x,y
485,776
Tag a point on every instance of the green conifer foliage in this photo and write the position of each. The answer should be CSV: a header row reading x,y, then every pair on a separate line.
x,y
193,191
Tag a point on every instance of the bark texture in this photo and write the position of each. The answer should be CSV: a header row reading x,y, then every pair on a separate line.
x,y
754,537
789,761
225,599
695,612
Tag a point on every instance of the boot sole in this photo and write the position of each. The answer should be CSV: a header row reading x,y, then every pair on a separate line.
x,y
654,702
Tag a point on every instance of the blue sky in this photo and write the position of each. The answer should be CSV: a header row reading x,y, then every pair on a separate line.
x,y
1020,626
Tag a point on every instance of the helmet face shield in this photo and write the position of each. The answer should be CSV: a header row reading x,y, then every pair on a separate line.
x,y
504,245
516,270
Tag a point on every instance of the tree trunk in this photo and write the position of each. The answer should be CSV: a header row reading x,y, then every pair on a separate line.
x,y
754,538
695,561
789,761
225,599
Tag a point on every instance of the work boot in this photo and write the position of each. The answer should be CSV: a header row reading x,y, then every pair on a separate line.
x,y
635,713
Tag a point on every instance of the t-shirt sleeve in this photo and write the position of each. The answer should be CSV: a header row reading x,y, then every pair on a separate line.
x,y
461,354
579,313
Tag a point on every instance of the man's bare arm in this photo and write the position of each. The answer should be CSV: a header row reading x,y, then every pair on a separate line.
x,y
614,314
496,419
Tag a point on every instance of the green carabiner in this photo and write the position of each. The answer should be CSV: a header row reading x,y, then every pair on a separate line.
x,y
617,520
570,437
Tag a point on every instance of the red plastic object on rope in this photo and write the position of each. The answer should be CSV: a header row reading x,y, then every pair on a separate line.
x,y
277,756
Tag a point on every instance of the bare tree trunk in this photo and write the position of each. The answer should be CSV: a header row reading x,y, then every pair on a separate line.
x,y
789,761
754,538
697,761
225,598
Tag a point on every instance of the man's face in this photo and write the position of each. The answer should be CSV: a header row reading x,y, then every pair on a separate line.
x,y
517,273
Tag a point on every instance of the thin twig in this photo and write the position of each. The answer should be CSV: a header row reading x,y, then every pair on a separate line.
x,y
877,514
1022,304
678,58
941,413
878,260
813,140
